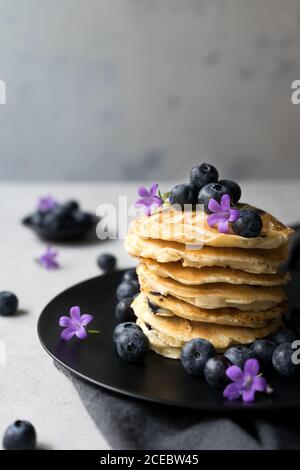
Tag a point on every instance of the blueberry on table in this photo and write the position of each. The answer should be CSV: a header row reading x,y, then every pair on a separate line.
x,y
248,225
107,262
124,312
283,336
20,435
233,189
263,350
8,304
202,175
132,345
130,275
282,360
127,289
182,194
211,190
238,355
195,354
126,326
215,371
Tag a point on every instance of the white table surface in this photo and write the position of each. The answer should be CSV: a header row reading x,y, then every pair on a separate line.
x,y
30,386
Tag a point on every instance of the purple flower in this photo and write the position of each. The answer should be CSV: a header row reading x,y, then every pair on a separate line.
x,y
48,259
74,324
222,213
46,203
148,199
245,383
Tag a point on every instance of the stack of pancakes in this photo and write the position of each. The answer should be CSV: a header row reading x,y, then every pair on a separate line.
x,y
228,291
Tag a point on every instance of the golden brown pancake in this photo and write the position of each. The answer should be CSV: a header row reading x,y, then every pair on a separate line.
x,y
192,227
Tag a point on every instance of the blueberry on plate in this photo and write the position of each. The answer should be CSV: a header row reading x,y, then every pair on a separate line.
x,y
20,435
124,312
8,304
182,194
248,225
215,371
107,262
132,345
233,189
211,190
238,355
130,275
126,326
195,354
202,175
282,360
127,289
283,336
263,350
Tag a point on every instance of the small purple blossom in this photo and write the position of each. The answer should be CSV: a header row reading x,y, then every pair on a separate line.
x,y
46,203
74,325
149,199
222,213
245,382
48,259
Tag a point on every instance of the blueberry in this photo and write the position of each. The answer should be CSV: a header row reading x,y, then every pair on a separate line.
x,y
211,190
107,262
182,194
37,219
249,224
282,360
202,175
132,345
195,354
51,222
127,289
238,355
124,312
283,336
8,304
263,350
124,327
20,435
215,371
70,206
233,189
130,275
84,219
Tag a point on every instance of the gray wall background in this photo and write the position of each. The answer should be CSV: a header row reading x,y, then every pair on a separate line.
x,y
142,89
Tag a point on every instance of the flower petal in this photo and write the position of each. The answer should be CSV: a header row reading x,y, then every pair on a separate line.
x,y
67,333
234,373
214,206
260,384
143,202
213,220
232,392
65,322
153,189
234,215
81,333
225,202
223,226
248,395
85,319
251,367
75,313
143,192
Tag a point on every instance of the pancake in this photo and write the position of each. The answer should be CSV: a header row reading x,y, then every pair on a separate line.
x,y
157,344
252,261
191,227
222,316
212,296
208,275
176,331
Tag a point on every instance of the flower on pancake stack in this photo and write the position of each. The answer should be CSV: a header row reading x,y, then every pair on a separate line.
x,y
149,199
222,213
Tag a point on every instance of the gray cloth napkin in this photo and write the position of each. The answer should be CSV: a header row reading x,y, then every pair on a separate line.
x,y
130,424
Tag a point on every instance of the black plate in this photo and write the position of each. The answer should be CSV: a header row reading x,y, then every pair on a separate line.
x,y
158,379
